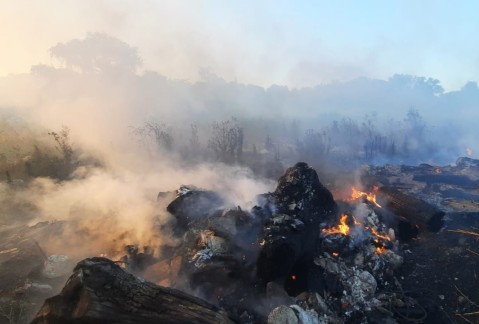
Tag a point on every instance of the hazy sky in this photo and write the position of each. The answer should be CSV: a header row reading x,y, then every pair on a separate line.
x,y
296,43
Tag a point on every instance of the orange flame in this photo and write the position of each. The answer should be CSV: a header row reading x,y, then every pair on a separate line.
x,y
380,249
342,228
375,233
371,196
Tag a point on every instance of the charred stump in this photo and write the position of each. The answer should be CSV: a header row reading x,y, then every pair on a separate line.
x,y
416,211
99,291
290,236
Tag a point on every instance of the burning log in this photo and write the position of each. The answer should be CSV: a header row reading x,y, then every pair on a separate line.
x,y
99,291
416,211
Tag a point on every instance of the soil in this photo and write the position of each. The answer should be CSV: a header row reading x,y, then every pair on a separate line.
x,y
440,272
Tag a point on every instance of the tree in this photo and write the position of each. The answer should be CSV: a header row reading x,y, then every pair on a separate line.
x,y
226,140
156,133
194,139
63,143
314,145
97,53
421,84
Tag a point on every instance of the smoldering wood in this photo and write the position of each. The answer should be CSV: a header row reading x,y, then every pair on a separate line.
x,y
100,291
290,236
416,211
193,204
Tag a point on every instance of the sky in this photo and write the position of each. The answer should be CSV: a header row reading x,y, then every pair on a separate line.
x,y
292,43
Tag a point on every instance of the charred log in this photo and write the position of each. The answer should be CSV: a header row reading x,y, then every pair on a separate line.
x,y
192,204
450,179
416,211
99,291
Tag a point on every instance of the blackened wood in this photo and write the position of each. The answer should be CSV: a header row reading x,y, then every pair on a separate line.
x,y
289,239
416,211
99,291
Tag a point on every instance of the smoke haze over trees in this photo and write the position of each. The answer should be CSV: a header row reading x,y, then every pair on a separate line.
x,y
98,93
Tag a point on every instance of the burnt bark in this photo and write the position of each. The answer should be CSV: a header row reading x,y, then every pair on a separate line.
x,y
416,211
290,236
99,291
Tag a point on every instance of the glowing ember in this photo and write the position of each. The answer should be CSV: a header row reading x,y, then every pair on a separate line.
x,y
371,196
342,228
335,254
293,277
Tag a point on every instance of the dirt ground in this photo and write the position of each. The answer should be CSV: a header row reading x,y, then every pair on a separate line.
x,y
441,271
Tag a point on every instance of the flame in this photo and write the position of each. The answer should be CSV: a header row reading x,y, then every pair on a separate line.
x,y
342,228
103,255
375,233
380,249
371,196
356,222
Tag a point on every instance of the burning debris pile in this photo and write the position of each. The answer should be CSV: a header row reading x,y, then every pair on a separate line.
x,y
298,256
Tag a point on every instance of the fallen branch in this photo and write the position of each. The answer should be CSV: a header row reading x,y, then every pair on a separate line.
x,y
467,298
473,252
464,232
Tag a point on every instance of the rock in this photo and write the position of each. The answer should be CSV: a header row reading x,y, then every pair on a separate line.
x,y
99,291
57,266
306,316
282,315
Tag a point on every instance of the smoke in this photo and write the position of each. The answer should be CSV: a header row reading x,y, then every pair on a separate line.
x,y
96,90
